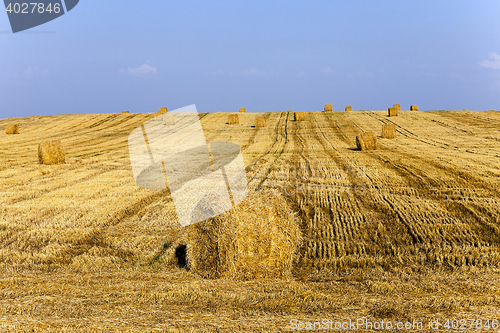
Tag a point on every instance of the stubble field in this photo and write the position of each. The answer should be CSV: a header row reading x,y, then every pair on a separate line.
x,y
409,232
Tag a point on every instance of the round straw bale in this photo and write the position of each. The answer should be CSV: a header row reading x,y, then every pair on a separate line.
x,y
414,108
366,141
125,112
260,121
299,116
393,112
397,106
12,129
328,107
243,110
233,119
348,108
259,238
162,110
389,131
51,152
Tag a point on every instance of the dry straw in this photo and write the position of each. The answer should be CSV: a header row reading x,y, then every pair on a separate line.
x,y
12,129
125,112
51,152
393,112
259,238
328,107
233,119
389,131
299,116
414,108
348,108
260,122
397,106
243,110
366,141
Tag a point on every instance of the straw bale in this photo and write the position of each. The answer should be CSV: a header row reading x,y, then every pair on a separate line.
x,y
299,116
366,141
260,122
328,107
244,110
125,112
233,119
414,108
51,152
389,131
162,111
259,238
348,108
393,112
397,106
12,129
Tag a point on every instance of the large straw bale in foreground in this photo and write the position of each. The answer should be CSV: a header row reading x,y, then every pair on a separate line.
x,y
233,119
260,121
389,131
51,152
299,116
414,108
392,112
243,110
328,107
348,108
366,141
259,238
12,129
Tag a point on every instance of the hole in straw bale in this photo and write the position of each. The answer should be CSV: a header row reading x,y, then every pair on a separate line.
x,y
259,238
181,255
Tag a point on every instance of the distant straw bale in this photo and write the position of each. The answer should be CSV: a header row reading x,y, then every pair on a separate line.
x,y
366,141
348,108
393,112
12,129
299,116
51,152
125,112
328,107
397,106
389,131
162,110
260,121
290,111
414,108
259,238
233,119
243,110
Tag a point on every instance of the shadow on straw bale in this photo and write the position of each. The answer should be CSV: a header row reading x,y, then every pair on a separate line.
x,y
12,129
414,108
392,112
299,116
366,141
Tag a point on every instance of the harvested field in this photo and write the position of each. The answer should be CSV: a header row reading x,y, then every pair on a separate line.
x,y
410,231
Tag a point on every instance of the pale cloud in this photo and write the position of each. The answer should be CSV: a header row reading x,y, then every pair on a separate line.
x,y
35,71
493,62
252,71
142,70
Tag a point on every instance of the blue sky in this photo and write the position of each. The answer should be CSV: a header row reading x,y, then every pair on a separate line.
x,y
114,55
